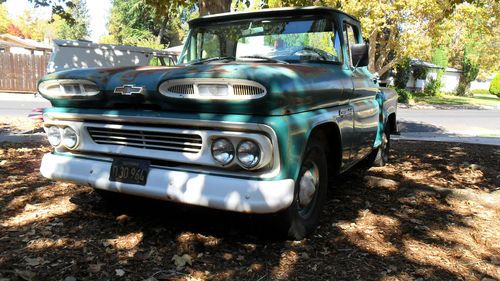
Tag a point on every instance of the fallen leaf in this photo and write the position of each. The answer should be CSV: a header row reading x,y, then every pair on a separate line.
x,y
35,261
495,259
25,275
227,256
180,261
94,268
119,272
122,218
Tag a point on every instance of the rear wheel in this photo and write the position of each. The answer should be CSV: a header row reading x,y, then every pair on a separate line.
x,y
302,216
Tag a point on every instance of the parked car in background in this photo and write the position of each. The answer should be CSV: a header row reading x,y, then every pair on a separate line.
x,y
263,110
68,54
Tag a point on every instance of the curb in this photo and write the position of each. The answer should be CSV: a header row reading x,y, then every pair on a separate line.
x,y
447,106
23,138
494,141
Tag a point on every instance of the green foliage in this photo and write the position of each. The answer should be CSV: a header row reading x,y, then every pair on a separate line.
x,y
403,73
432,87
404,96
5,21
135,22
440,57
495,86
78,28
420,72
470,72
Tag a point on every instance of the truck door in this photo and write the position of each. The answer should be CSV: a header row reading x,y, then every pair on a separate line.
x,y
362,99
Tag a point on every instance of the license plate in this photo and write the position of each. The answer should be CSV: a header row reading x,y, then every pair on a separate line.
x,y
129,171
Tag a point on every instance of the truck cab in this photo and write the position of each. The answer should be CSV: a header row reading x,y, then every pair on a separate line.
x,y
262,110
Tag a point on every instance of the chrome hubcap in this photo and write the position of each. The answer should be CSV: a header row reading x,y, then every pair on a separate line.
x,y
308,185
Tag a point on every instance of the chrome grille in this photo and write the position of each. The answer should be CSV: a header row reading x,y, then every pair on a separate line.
x,y
191,143
184,89
247,90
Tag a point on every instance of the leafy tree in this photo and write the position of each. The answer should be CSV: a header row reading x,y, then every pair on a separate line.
x,y
495,85
78,28
475,27
403,73
470,70
5,20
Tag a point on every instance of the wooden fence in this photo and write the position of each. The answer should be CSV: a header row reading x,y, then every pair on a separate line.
x,y
20,73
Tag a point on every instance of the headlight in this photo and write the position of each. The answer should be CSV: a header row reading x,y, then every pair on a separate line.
x,y
68,88
69,138
54,135
248,154
223,151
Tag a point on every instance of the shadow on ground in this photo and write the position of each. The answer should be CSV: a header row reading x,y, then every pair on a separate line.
x,y
382,224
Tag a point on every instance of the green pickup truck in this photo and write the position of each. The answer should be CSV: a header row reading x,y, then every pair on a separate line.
x,y
262,110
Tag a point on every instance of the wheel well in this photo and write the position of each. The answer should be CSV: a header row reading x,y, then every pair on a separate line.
x,y
391,121
331,134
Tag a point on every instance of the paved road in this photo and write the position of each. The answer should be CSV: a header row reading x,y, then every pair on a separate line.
x,y
20,105
452,121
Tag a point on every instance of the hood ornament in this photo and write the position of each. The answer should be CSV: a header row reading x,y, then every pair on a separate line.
x,y
128,90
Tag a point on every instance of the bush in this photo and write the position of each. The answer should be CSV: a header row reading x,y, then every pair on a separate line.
x,y
432,87
403,73
495,85
404,96
480,92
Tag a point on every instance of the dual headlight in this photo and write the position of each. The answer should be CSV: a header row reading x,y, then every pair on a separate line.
x,y
62,135
68,88
247,152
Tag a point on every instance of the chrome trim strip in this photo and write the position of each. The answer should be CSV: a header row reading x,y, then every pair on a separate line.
x,y
233,85
50,117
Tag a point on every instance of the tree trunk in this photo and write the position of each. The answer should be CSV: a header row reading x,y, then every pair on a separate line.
x,y
162,29
387,67
373,51
210,7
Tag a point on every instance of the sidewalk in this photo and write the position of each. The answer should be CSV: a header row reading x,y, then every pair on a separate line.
x,y
22,97
447,137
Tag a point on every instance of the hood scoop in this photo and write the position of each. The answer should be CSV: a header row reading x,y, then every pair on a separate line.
x,y
213,89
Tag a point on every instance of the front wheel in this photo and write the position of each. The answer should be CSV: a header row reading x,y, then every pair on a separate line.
x,y
380,156
302,216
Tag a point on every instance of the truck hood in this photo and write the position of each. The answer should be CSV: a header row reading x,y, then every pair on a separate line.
x,y
291,88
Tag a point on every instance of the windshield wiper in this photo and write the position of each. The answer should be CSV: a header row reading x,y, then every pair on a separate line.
x,y
263,58
202,61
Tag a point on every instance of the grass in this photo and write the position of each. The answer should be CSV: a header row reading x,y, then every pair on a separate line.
x,y
477,99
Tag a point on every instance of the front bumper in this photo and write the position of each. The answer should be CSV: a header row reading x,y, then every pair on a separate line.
x,y
218,192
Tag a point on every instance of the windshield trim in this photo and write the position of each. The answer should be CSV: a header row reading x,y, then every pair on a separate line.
x,y
218,20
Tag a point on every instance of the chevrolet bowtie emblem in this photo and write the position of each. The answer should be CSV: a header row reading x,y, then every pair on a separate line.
x,y
128,90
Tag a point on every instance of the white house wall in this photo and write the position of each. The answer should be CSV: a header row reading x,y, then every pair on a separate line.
x,y
449,81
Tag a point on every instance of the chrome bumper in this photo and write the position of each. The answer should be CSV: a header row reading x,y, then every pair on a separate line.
x,y
218,192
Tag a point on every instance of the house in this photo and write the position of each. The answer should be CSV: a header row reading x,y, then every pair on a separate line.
x,y
449,79
16,45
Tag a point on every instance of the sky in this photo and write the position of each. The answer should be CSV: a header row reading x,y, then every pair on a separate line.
x,y
98,11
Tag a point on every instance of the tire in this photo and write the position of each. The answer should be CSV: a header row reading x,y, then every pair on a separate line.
x,y
301,218
380,156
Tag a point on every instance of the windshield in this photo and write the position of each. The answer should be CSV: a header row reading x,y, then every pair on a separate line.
x,y
271,40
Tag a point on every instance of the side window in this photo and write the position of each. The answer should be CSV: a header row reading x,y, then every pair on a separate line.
x,y
350,39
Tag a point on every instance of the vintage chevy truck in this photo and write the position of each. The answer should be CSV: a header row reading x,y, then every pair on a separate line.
x,y
262,111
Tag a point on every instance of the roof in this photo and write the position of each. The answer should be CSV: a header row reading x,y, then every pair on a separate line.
x,y
91,45
269,13
417,62
14,41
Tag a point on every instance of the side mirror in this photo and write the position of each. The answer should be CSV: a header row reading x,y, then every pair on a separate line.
x,y
359,54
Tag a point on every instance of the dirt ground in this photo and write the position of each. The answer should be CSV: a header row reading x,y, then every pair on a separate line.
x,y
429,215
